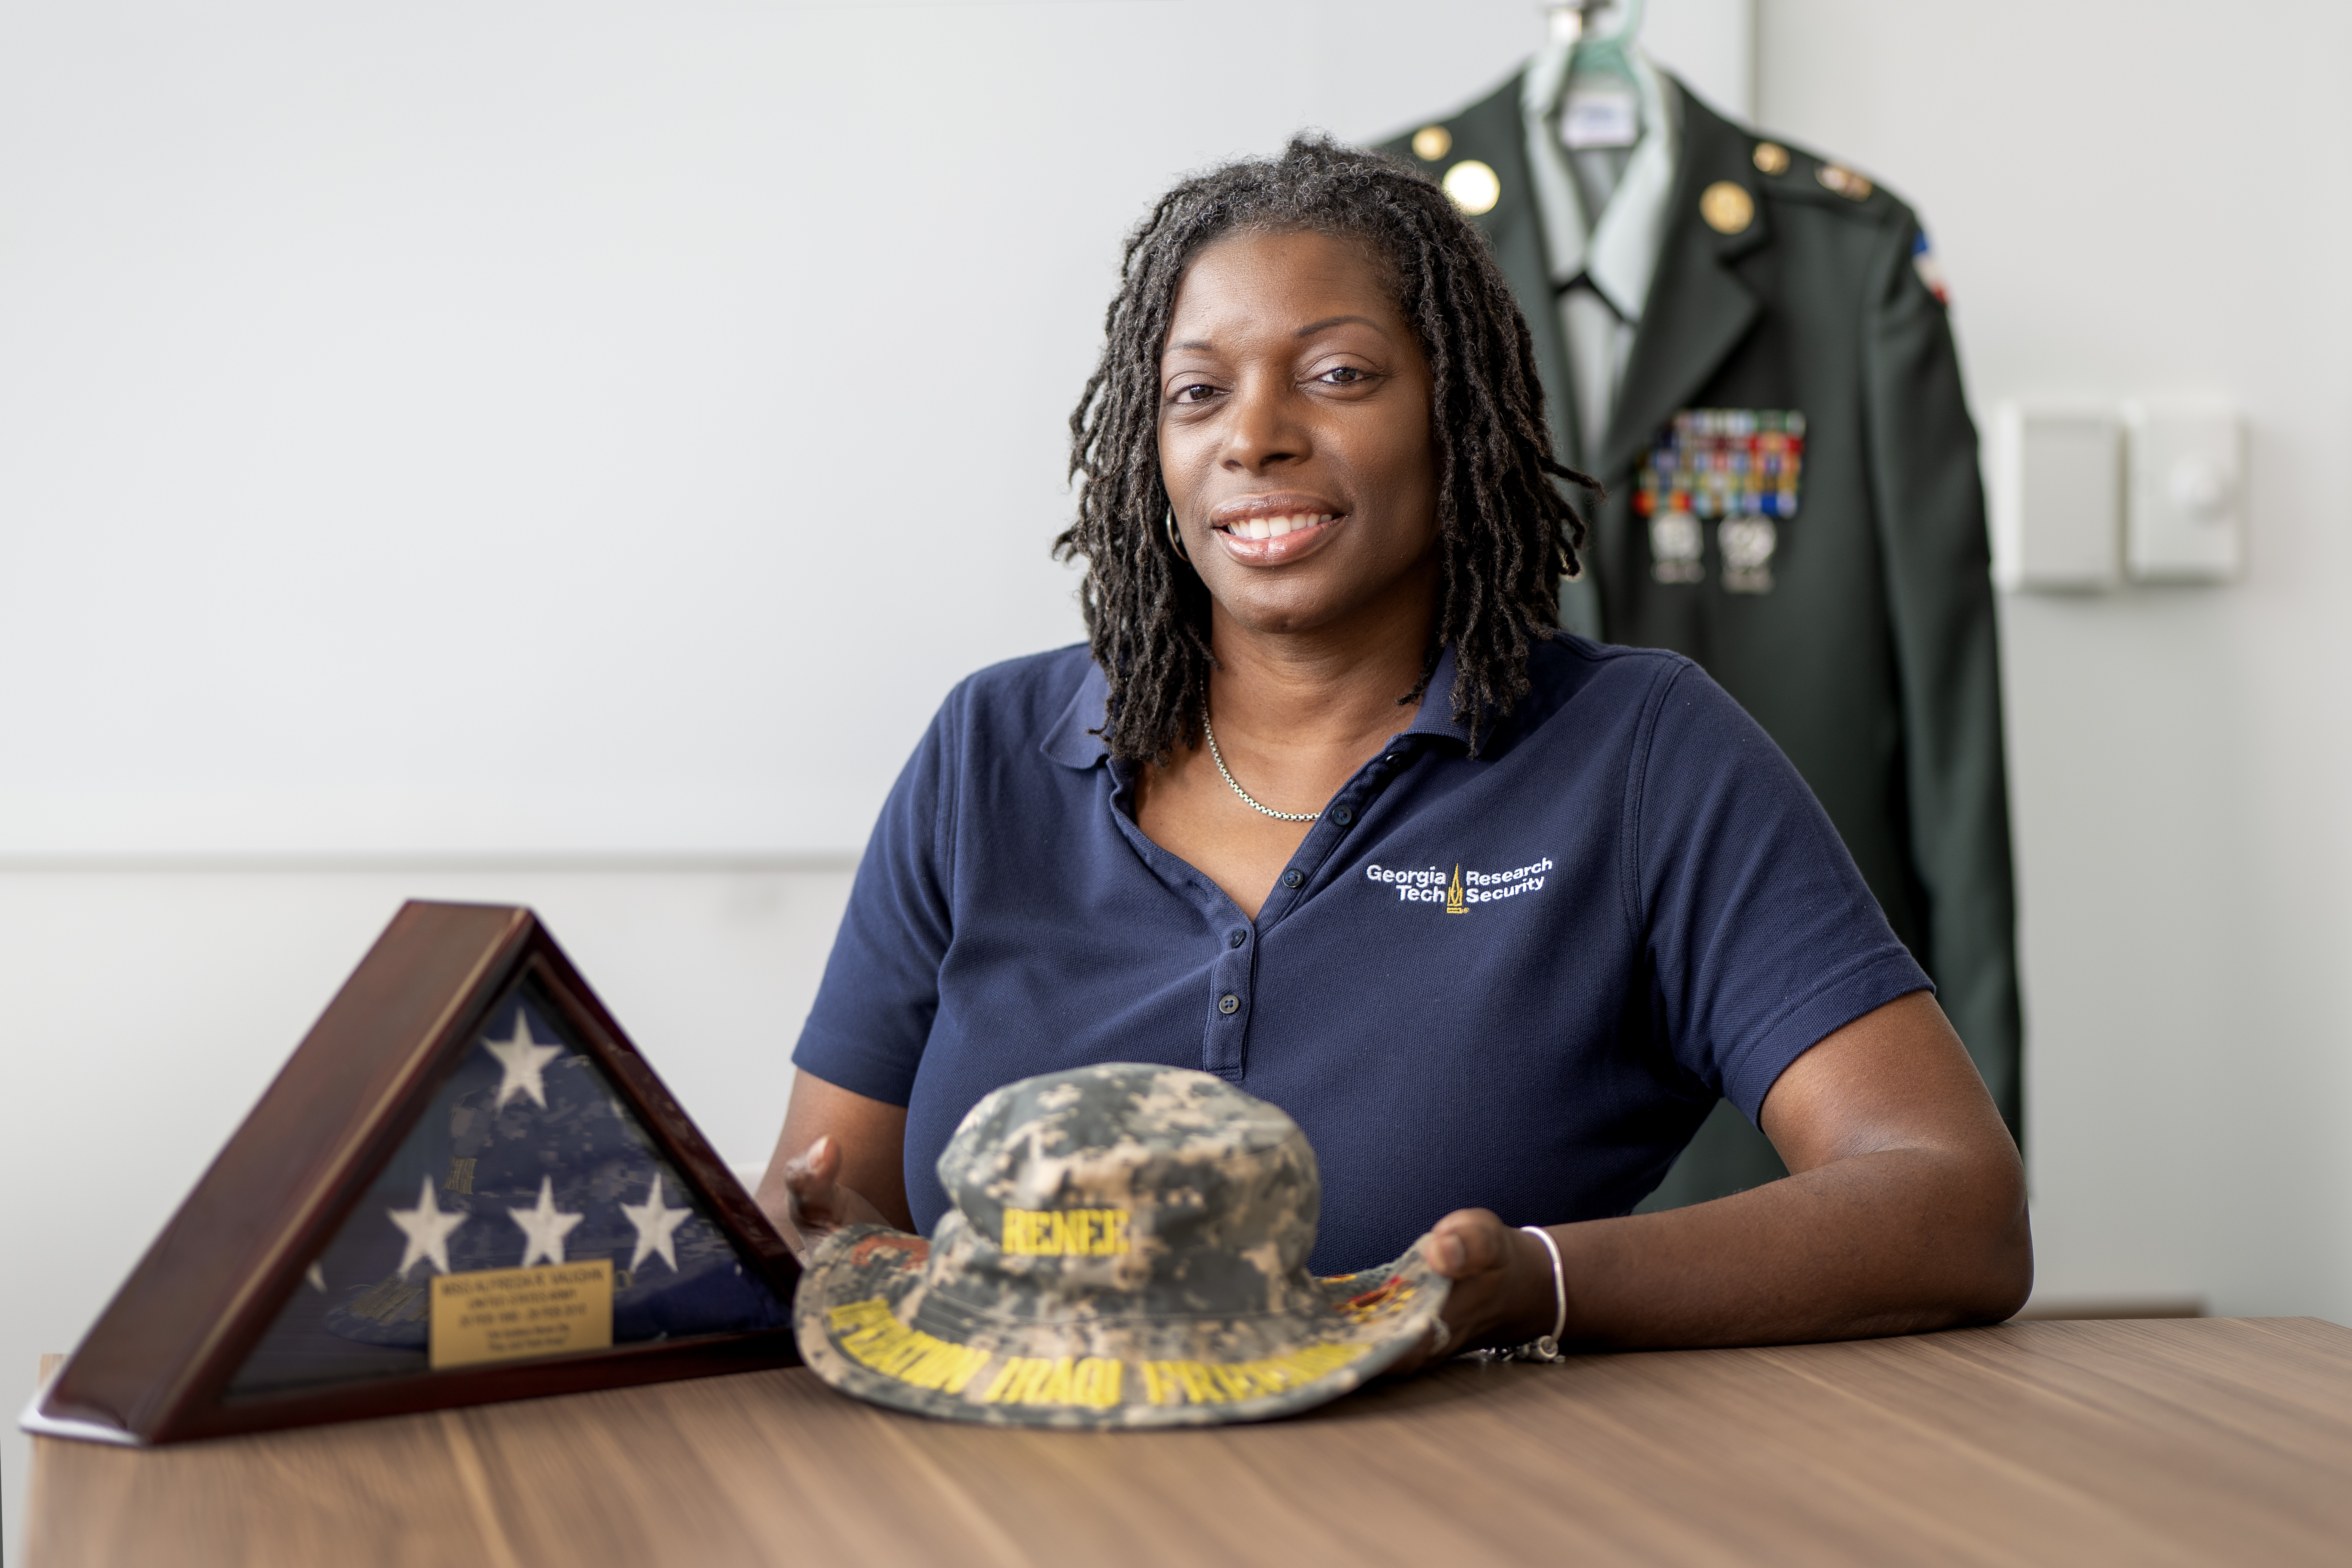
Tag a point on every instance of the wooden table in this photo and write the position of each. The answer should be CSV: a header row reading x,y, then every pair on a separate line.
x,y
2202,1441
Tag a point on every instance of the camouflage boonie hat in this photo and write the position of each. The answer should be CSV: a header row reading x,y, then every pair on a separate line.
x,y
1127,1247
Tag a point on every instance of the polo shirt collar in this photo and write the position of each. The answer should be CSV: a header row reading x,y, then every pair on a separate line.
x,y
1068,742
1436,716
1072,742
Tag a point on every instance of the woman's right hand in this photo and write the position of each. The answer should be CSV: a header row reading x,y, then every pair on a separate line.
x,y
814,1202
829,1133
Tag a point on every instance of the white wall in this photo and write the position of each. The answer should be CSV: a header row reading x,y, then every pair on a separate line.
x,y
432,388
548,453
2146,198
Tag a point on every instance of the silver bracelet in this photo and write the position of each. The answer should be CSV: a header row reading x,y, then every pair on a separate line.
x,y
1547,1347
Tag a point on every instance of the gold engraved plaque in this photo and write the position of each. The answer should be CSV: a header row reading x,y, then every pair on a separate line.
x,y
516,1314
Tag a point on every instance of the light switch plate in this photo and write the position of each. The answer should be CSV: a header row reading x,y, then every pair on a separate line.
x,y
2184,519
2057,468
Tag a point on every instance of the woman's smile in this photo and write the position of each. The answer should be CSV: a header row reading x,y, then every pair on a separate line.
x,y
1273,529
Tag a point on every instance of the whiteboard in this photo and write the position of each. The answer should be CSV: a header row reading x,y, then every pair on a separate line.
x,y
572,427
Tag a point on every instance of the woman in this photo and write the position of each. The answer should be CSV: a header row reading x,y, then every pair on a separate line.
x,y
1328,806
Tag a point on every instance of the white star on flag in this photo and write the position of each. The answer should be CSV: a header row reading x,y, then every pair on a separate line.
x,y
524,1061
654,1225
427,1226
543,1228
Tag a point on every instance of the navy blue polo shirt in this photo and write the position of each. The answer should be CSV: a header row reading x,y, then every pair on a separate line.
x,y
1516,981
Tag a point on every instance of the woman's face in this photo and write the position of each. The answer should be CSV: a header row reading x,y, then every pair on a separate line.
x,y
1294,436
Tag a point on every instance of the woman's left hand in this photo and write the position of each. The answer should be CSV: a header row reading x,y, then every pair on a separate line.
x,y
1503,1291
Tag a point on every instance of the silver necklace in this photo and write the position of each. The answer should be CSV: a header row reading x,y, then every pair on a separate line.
x,y
1218,757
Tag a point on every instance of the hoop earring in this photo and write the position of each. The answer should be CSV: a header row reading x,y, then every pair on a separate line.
x,y
1176,540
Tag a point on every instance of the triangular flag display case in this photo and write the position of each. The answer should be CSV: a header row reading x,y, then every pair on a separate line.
x,y
466,1185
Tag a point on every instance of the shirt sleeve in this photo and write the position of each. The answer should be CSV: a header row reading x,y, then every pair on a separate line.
x,y
1762,936
881,989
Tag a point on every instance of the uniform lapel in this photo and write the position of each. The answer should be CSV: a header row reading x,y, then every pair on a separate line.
x,y
1698,309
1494,131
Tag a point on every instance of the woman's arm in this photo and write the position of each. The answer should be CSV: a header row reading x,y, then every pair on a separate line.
x,y
1903,1210
858,1176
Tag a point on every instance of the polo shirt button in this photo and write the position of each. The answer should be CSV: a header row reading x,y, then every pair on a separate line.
x,y
1342,816
1290,879
1236,939
1229,1004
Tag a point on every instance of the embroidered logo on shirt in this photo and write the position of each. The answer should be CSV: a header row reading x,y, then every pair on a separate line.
x,y
1458,891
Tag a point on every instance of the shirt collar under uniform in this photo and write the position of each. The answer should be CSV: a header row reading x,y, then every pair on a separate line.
x,y
1619,253
1071,741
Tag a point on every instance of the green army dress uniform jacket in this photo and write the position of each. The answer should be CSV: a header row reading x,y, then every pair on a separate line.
x,y
1870,655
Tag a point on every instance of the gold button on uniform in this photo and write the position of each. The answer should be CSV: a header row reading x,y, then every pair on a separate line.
x,y
1727,208
1853,187
1473,186
1772,158
1431,142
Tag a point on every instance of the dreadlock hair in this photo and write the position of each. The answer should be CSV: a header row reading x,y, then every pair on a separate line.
x,y
1506,533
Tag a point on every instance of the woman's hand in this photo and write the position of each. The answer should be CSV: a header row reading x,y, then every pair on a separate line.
x,y
1904,1212
840,1160
815,1203
1503,1291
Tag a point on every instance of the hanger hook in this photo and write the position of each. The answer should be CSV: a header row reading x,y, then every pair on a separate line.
x,y
1571,20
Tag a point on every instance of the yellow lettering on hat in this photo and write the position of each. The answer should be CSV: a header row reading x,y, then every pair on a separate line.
x,y
1056,1380
873,1337
1235,1382
861,1317
1194,1379
1021,1374
1029,1387
1203,1382
1098,1380
1064,1233
994,1392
